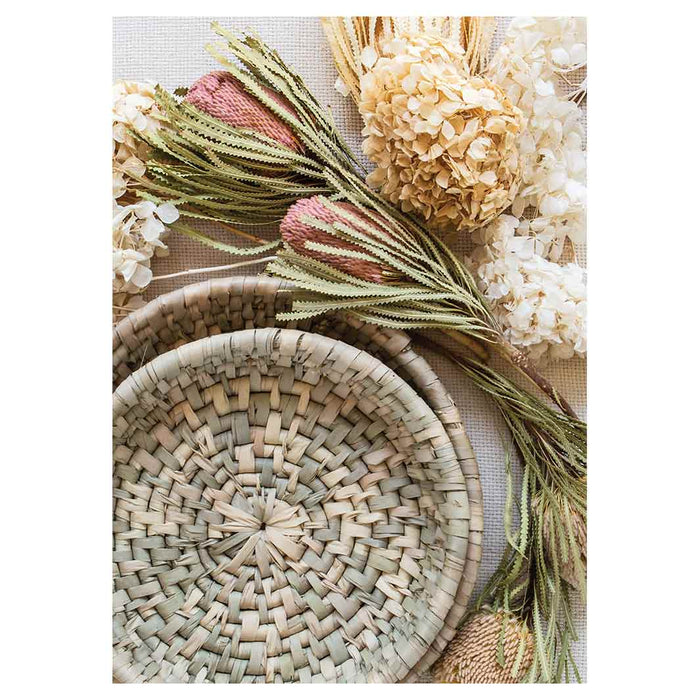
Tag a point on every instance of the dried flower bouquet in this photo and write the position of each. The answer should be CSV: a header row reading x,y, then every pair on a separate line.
x,y
345,247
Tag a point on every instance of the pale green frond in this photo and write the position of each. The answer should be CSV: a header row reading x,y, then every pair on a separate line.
x,y
225,247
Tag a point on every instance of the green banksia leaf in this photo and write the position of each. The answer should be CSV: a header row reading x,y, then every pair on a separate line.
x,y
562,522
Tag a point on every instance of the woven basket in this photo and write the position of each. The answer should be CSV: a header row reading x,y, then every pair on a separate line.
x,y
224,305
297,511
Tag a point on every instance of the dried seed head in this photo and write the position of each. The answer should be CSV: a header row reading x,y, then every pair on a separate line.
x,y
296,232
445,144
472,656
222,96
552,542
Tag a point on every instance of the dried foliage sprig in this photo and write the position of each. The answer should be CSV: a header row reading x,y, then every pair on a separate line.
x,y
216,171
345,247
425,285
545,556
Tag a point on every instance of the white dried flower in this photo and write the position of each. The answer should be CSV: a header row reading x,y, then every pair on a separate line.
x,y
137,233
133,107
341,87
527,66
445,143
138,229
540,304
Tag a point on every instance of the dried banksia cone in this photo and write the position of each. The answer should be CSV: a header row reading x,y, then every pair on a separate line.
x,y
445,143
296,232
473,655
222,96
552,538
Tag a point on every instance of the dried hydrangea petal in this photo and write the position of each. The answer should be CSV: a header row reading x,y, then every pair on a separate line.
x,y
445,143
552,160
138,229
540,305
167,213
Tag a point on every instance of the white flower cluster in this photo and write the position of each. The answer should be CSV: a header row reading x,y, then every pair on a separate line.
x,y
445,143
540,304
528,65
136,237
138,228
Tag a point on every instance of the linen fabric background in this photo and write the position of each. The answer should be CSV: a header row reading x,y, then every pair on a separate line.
x,y
170,51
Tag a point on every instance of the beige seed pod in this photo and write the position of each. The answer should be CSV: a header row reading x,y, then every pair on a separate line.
x,y
472,656
445,143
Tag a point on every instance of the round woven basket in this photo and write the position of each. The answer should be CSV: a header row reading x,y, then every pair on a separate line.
x,y
224,305
297,509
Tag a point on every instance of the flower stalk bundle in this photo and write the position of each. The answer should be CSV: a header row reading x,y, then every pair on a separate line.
x,y
545,556
345,248
421,285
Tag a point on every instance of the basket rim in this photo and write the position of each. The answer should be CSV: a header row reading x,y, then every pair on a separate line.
x,y
141,328
241,346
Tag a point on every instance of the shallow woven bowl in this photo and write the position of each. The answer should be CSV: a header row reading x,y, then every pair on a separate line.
x,y
228,304
286,509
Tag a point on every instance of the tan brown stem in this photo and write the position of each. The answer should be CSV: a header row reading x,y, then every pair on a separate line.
x,y
218,268
244,234
514,356
474,345
522,362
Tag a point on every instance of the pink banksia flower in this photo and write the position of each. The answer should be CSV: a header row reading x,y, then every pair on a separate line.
x,y
296,232
223,97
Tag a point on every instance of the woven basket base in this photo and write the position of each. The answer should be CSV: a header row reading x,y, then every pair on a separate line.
x,y
286,509
224,305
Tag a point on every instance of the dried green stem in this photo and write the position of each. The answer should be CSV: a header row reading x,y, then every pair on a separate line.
x,y
526,366
528,581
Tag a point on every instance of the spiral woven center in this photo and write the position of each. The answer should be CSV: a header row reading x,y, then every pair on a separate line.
x,y
285,510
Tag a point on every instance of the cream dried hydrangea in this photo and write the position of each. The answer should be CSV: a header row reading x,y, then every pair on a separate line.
x,y
445,144
540,304
133,108
138,227
529,66
137,230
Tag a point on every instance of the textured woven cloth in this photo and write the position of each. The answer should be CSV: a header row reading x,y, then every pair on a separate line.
x,y
170,50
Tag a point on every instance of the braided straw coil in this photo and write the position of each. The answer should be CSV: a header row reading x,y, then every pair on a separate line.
x,y
224,305
473,655
286,508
